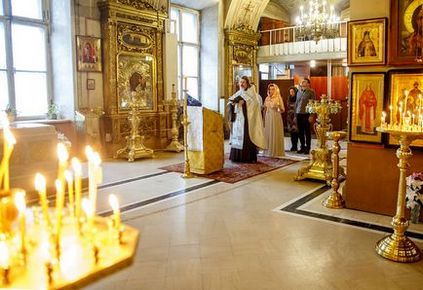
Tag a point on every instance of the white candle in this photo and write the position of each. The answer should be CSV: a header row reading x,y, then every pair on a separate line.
x,y
390,115
114,203
186,83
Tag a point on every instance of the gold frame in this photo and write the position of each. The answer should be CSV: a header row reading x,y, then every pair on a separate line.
x,y
137,65
399,81
376,30
360,83
88,60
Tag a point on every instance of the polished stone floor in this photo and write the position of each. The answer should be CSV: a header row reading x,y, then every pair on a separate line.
x,y
207,235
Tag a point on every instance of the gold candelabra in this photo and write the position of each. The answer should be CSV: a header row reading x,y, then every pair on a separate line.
x,y
134,148
185,123
320,166
397,247
65,247
335,200
174,146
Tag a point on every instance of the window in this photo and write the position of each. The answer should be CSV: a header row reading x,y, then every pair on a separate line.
x,y
187,22
24,51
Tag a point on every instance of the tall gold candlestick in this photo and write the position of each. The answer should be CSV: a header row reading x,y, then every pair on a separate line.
x,y
185,123
40,186
397,246
76,165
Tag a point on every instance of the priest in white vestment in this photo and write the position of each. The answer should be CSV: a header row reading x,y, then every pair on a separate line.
x,y
247,127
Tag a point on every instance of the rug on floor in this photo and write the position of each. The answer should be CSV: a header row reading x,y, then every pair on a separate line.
x,y
233,172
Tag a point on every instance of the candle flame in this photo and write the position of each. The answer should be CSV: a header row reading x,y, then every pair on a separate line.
x,y
96,158
68,176
76,165
62,152
87,206
89,152
4,120
40,182
59,186
406,93
9,137
20,201
390,107
114,203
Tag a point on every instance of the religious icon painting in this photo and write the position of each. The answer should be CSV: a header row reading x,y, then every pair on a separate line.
x,y
366,42
406,32
367,106
88,53
405,99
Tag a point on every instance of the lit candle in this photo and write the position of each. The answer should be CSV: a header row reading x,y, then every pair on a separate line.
x,y
40,186
114,203
97,176
412,119
406,100
60,199
21,206
69,180
63,155
77,170
89,213
383,118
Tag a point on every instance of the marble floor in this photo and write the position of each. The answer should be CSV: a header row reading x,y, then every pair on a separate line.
x,y
197,234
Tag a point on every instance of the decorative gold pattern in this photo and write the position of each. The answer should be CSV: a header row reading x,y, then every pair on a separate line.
x,y
397,247
240,49
334,200
136,29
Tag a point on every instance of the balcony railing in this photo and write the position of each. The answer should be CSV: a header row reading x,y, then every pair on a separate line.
x,y
283,41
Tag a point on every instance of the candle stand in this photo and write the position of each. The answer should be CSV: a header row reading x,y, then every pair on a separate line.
x,y
174,146
320,166
185,123
335,200
397,246
134,142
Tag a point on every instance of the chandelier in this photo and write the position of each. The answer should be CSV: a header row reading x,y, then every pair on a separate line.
x,y
318,23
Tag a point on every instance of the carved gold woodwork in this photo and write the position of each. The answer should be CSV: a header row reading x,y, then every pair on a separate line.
x,y
132,35
241,51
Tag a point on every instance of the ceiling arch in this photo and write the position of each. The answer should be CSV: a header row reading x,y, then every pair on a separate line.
x,y
245,14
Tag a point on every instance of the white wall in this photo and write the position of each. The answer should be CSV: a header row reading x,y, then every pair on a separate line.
x,y
210,57
171,63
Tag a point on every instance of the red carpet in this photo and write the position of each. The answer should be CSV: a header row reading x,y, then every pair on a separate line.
x,y
234,172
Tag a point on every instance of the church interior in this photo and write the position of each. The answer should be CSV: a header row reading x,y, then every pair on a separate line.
x,y
119,123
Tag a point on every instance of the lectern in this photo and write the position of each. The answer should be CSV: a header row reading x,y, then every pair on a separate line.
x,y
205,140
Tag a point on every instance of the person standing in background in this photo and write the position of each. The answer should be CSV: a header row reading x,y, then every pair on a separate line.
x,y
273,124
291,122
302,117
